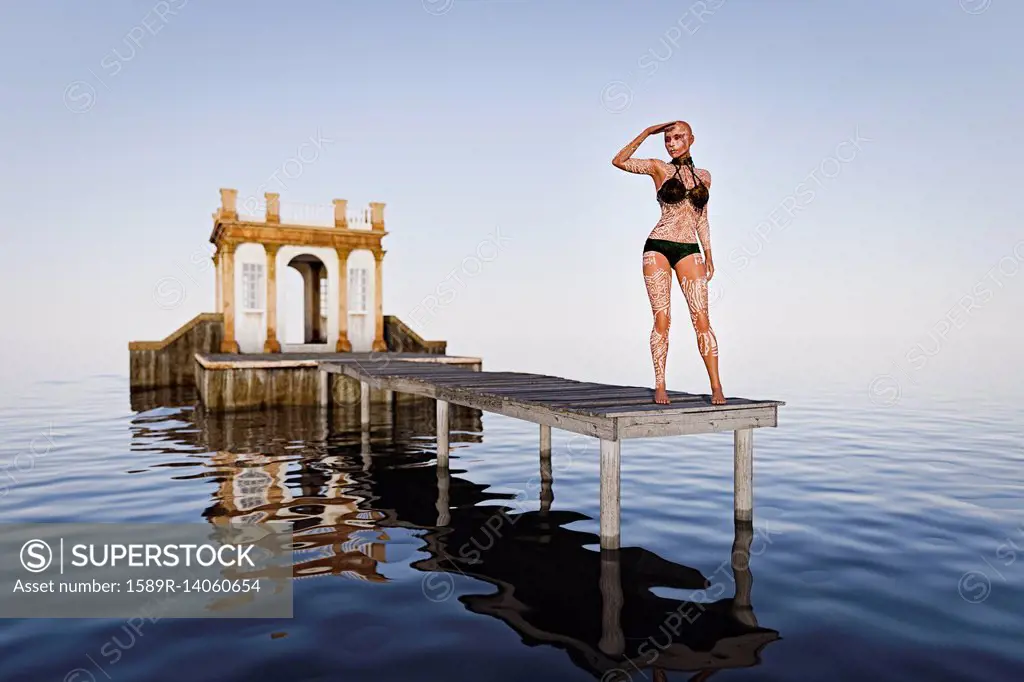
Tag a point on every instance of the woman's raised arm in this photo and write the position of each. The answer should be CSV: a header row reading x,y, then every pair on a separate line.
x,y
623,159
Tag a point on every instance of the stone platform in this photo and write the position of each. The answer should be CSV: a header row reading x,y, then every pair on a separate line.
x,y
228,382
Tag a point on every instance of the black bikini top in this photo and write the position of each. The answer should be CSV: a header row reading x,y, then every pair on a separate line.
x,y
674,190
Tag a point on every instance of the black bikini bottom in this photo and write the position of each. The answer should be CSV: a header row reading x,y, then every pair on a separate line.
x,y
674,251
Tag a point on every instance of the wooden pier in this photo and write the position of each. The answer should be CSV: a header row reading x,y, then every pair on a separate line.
x,y
610,413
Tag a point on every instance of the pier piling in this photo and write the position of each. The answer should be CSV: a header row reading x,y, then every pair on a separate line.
x,y
743,474
610,450
442,433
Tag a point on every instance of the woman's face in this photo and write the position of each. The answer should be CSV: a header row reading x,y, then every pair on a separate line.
x,y
678,140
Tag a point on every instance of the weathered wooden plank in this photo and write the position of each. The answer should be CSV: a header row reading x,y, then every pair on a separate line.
x,y
534,395
689,406
509,392
567,402
627,396
515,381
622,402
500,385
439,371
578,385
555,401
470,377
639,392
555,389
492,388
488,376
409,371
511,376
400,384
711,421
488,382
597,427
440,375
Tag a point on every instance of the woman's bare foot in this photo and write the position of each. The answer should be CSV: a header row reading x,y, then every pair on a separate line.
x,y
661,395
717,397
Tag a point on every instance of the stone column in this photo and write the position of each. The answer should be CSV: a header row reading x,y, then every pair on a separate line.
x,y
228,203
343,345
377,215
217,282
271,345
227,269
341,213
273,200
378,333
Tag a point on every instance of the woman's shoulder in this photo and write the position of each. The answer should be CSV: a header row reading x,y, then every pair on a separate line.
x,y
705,175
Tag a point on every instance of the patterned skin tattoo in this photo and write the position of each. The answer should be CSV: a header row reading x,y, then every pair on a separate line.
x,y
679,222
696,293
658,278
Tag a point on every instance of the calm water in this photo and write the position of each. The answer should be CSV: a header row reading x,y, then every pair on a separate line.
x,y
888,544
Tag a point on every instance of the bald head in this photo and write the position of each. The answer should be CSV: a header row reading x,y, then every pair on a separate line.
x,y
681,127
678,139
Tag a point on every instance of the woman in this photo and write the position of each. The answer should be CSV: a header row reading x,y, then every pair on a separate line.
x,y
682,192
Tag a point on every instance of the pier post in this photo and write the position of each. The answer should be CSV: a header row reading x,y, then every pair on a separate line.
x,y
610,450
393,414
364,403
444,479
547,495
743,474
365,450
323,388
613,642
442,433
740,560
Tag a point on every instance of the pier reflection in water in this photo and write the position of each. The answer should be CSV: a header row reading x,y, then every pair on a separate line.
x,y
344,489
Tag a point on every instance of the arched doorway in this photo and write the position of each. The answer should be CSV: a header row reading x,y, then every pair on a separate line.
x,y
312,292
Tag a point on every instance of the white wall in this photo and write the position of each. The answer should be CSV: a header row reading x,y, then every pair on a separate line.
x,y
361,327
329,257
250,327
291,319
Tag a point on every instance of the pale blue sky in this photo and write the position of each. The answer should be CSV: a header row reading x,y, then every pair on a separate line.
x,y
471,116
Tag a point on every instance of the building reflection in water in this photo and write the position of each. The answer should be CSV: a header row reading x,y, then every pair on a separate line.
x,y
344,489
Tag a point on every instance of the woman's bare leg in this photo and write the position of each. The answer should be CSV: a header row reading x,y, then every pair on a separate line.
x,y
658,278
693,280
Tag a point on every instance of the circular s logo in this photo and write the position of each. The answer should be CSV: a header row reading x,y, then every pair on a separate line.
x,y
79,97
974,587
616,97
437,587
36,556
